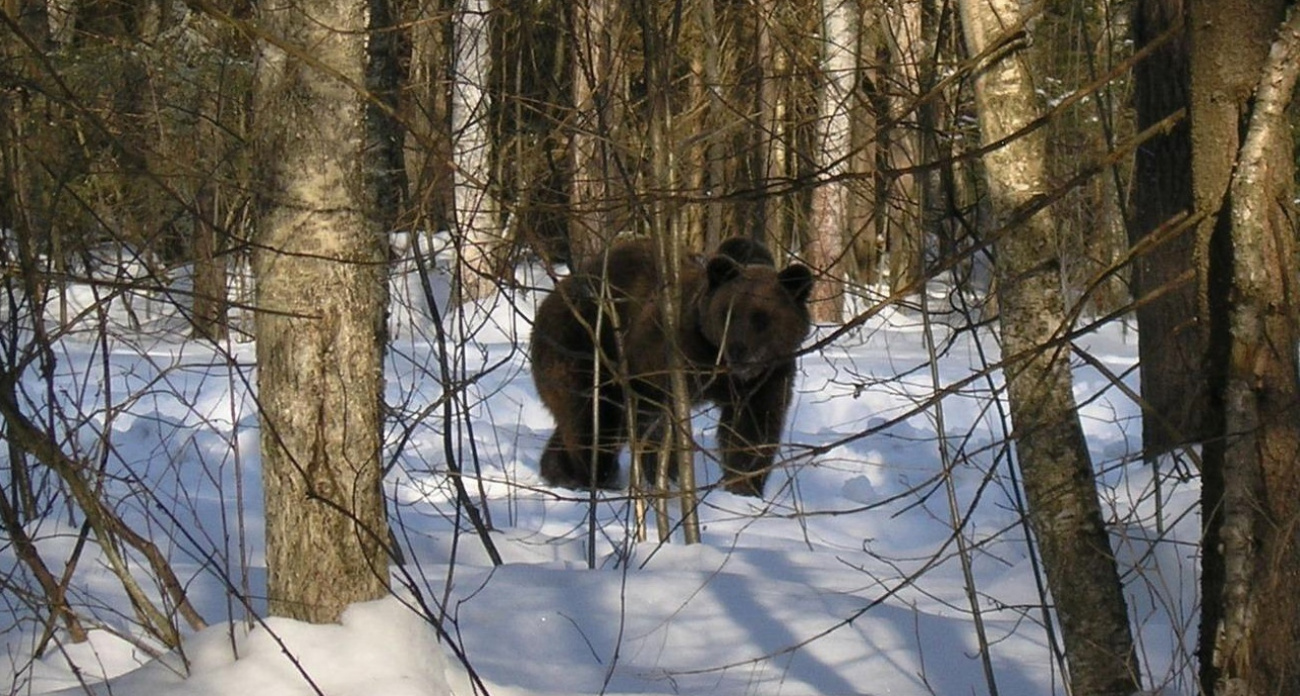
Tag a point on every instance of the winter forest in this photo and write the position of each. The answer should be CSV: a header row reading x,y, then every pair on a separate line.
x,y
292,289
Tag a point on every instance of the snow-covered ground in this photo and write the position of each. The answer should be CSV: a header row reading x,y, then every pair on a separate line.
x,y
847,578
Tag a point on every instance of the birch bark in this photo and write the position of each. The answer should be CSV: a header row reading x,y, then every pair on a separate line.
x,y
476,209
826,244
1060,488
1251,618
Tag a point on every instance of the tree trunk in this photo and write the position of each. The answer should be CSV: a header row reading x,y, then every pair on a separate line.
x,y
210,288
769,145
825,249
936,179
594,25
669,249
715,149
1251,617
476,213
863,233
1173,335
425,112
388,59
1059,485
320,263
903,219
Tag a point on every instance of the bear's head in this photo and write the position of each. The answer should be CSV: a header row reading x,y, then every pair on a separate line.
x,y
754,314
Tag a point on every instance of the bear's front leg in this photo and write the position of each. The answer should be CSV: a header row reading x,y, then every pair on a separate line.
x,y
579,467
589,432
749,433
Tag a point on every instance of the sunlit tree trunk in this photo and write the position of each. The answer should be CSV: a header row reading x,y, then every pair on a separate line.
x,y
476,218
825,246
1060,488
1251,482
320,263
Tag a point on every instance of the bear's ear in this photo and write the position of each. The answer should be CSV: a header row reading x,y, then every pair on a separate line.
x,y
797,280
722,269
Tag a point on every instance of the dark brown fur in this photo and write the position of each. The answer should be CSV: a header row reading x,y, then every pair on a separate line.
x,y
740,325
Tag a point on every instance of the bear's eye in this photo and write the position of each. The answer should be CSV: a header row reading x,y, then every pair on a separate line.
x,y
759,321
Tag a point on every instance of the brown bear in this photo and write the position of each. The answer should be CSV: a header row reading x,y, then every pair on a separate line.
x,y
740,325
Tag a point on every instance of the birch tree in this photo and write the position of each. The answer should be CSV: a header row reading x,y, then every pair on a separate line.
x,y
476,210
826,243
1060,489
1251,484
321,294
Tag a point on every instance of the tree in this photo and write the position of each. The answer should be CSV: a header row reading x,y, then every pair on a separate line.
x,y
596,25
668,236
769,133
827,236
476,217
908,54
865,192
388,59
219,192
1173,339
1060,489
1251,484
713,167
321,273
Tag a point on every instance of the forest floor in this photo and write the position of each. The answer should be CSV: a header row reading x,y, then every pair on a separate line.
x,y
846,578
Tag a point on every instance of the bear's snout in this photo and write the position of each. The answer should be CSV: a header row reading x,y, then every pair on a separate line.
x,y
746,364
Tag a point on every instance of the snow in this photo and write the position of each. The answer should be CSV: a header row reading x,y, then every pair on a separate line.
x,y
845,578
279,656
